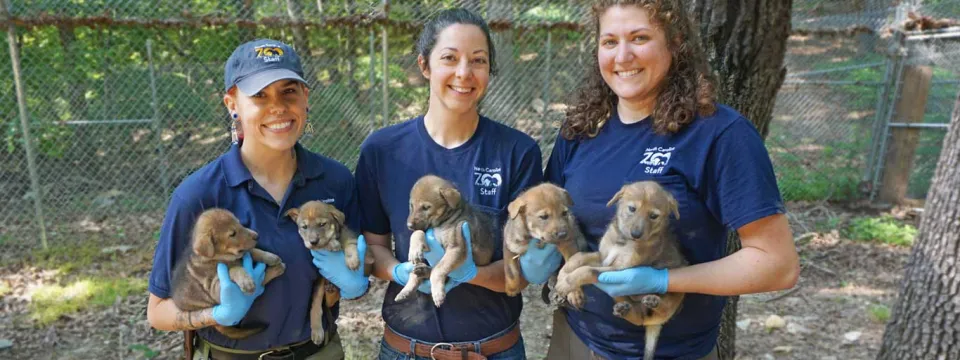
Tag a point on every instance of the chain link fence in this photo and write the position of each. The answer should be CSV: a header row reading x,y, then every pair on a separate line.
x,y
124,97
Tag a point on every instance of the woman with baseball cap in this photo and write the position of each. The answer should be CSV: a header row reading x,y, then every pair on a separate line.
x,y
262,175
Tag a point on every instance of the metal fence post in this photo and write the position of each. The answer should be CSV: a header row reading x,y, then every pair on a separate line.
x,y
373,79
157,126
25,122
386,69
547,76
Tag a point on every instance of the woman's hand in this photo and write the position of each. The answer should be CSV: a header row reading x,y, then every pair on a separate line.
x,y
333,266
633,281
538,264
401,275
234,304
466,271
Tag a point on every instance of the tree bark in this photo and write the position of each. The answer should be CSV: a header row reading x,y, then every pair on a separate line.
x,y
926,318
745,44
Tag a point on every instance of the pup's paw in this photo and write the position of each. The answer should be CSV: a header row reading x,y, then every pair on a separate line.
x,y
334,246
575,299
650,301
353,260
621,309
438,295
317,336
271,259
243,280
330,287
421,270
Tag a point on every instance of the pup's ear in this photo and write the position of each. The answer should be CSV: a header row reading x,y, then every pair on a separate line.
x,y
516,207
616,197
293,213
451,196
338,216
566,196
204,244
674,208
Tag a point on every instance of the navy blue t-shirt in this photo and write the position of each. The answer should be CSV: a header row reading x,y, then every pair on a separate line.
x,y
721,175
489,170
227,183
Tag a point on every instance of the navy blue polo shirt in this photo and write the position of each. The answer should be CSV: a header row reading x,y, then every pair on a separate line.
x,y
490,170
227,183
721,175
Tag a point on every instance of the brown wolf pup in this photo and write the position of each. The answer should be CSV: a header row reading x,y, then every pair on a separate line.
x,y
436,203
541,212
323,227
639,235
219,237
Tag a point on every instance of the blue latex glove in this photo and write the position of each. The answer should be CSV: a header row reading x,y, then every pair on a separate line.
x,y
333,266
401,274
633,281
538,264
466,271
234,304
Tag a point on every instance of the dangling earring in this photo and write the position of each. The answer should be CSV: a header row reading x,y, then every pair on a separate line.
x,y
236,129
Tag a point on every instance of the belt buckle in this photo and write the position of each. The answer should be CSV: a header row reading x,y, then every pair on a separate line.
x,y
434,348
271,352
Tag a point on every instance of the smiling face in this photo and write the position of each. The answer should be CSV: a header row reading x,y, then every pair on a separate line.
x,y
274,117
632,53
458,68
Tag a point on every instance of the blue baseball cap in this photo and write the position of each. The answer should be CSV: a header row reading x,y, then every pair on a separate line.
x,y
259,63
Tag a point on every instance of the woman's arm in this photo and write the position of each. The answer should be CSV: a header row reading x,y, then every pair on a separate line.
x,y
491,276
163,314
768,261
383,259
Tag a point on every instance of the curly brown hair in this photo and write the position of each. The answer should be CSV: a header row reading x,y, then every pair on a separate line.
x,y
687,87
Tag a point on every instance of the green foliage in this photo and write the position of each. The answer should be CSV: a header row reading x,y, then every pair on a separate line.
x,y
884,229
49,302
879,313
5,289
145,350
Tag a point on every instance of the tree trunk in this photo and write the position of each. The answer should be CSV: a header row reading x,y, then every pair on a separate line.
x,y
926,318
745,44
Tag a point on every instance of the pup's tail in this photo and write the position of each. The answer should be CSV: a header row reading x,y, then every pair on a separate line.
x,y
235,332
650,344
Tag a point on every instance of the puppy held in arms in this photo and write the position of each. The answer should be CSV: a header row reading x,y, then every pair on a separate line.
x,y
323,227
436,203
541,212
639,235
218,237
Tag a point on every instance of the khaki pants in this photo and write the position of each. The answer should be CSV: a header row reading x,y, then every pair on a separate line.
x,y
333,350
565,345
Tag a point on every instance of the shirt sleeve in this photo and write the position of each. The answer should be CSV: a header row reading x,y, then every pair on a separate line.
x,y
530,172
741,186
555,164
351,206
373,217
174,237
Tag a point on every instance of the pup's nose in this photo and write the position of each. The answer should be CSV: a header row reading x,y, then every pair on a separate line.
x,y
561,234
636,233
255,235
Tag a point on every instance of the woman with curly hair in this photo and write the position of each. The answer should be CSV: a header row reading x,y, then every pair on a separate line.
x,y
647,111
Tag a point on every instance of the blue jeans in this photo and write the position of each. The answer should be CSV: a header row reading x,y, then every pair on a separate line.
x,y
516,352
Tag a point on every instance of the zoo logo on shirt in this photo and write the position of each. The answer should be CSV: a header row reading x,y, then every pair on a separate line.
x,y
488,180
656,159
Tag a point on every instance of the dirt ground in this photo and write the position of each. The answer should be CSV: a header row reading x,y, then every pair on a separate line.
x,y
831,314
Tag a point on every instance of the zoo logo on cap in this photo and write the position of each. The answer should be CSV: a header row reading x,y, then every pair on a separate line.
x,y
269,52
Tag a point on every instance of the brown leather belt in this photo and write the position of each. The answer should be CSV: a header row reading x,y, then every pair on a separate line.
x,y
457,351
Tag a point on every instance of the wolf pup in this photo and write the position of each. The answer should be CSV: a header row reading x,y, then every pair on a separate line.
x,y
639,235
218,237
436,203
323,227
541,212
